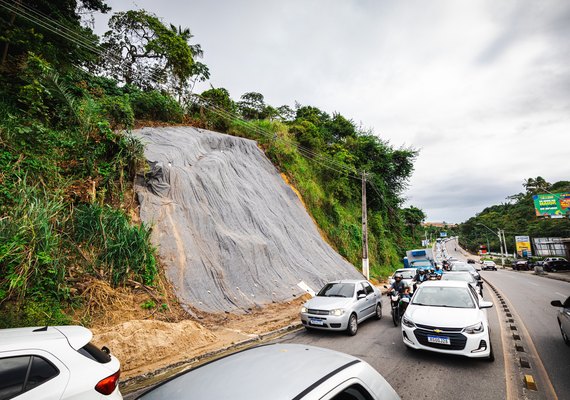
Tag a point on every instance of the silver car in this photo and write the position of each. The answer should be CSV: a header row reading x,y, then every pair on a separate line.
x,y
278,372
563,318
342,305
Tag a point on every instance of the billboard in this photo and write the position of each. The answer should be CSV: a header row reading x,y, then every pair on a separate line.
x,y
442,234
554,205
523,246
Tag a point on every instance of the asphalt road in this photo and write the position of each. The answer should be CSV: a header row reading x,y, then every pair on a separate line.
x,y
415,374
530,297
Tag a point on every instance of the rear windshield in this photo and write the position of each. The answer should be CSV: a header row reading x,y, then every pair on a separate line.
x,y
406,274
96,354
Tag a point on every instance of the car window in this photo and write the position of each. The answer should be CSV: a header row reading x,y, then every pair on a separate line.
x,y
368,288
456,297
337,290
94,353
13,371
41,371
354,392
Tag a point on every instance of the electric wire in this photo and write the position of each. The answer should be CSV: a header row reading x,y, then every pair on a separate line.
x,y
53,26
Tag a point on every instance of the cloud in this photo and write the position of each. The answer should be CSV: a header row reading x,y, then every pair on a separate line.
x,y
481,87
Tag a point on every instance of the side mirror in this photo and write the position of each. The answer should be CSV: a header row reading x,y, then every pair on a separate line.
x,y
360,296
556,303
485,304
385,287
477,269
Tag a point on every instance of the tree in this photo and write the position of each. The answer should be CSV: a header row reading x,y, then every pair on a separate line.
x,y
536,185
23,30
412,216
152,55
251,105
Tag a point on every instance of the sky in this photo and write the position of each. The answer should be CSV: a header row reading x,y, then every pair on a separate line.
x,y
480,87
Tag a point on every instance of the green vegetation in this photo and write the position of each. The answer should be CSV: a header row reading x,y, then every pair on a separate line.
x,y
516,217
68,100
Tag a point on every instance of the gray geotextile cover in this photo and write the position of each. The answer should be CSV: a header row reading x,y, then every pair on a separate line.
x,y
230,232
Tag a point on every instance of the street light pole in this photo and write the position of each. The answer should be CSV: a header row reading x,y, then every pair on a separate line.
x,y
498,233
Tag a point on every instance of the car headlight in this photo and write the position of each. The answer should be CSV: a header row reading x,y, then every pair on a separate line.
x,y
408,322
304,309
476,328
338,312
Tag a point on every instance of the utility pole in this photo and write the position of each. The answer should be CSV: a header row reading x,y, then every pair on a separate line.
x,y
365,264
505,243
501,243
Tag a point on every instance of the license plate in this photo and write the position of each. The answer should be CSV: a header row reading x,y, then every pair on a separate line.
x,y
316,322
439,340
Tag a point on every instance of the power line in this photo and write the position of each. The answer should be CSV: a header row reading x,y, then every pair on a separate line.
x,y
55,27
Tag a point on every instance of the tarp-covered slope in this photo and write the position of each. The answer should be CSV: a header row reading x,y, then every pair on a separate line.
x,y
229,231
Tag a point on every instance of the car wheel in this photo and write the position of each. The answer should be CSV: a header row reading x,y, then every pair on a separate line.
x,y
352,325
564,335
552,269
396,316
378,313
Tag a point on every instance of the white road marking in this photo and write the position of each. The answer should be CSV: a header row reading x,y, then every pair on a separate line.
x,y
560,294
535,284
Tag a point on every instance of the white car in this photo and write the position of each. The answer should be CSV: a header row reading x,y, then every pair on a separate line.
x,y
488,264
56,362
342,305
448,317
278,371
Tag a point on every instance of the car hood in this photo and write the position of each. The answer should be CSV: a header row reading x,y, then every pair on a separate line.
x,y
328,303
444,317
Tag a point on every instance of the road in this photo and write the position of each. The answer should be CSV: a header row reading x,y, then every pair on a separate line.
x,y
414,374
529,296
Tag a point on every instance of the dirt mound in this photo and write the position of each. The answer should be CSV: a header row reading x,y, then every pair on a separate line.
x,y
145,346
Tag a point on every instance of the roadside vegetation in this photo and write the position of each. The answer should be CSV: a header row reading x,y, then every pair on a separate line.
x,y
517,217
68,101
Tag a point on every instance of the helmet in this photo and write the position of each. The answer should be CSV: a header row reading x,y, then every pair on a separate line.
x,y
422,271
438,266
398,276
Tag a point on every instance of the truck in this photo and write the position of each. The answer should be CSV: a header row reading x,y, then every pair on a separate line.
x,y
419,258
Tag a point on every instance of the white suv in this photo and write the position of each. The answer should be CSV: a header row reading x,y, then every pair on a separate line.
x,y
56,362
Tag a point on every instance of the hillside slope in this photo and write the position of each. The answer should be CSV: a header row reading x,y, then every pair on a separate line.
x,y
230,232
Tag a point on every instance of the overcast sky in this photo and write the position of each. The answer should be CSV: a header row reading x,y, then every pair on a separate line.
x,y
480,87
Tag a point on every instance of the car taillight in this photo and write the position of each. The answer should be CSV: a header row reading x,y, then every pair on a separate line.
x,y
107,386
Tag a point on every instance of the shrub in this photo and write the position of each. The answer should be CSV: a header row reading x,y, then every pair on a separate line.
x,y
153,105
118,111
121,251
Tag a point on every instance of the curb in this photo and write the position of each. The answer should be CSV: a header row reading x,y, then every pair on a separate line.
x,y
137,382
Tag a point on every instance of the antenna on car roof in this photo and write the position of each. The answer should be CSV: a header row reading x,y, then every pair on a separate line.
x,y
42,329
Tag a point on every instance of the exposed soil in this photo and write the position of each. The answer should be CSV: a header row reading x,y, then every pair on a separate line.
x,y
146,340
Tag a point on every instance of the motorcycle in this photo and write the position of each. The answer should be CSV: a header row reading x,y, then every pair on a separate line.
x,y
398,306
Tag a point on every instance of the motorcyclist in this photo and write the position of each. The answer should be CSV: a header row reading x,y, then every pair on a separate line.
x,y
432,276
438,270
400,286
420,277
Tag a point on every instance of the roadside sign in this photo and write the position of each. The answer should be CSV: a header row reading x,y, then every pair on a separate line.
x,y
442,234
554,205
523,246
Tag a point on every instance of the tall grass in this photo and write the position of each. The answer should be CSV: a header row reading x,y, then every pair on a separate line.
x,y
120,251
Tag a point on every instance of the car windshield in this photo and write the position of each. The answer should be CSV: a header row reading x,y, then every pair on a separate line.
x,y
455,297
337,290
465,277
406,274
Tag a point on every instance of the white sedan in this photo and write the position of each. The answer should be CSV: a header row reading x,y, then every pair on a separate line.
x,y
448,317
